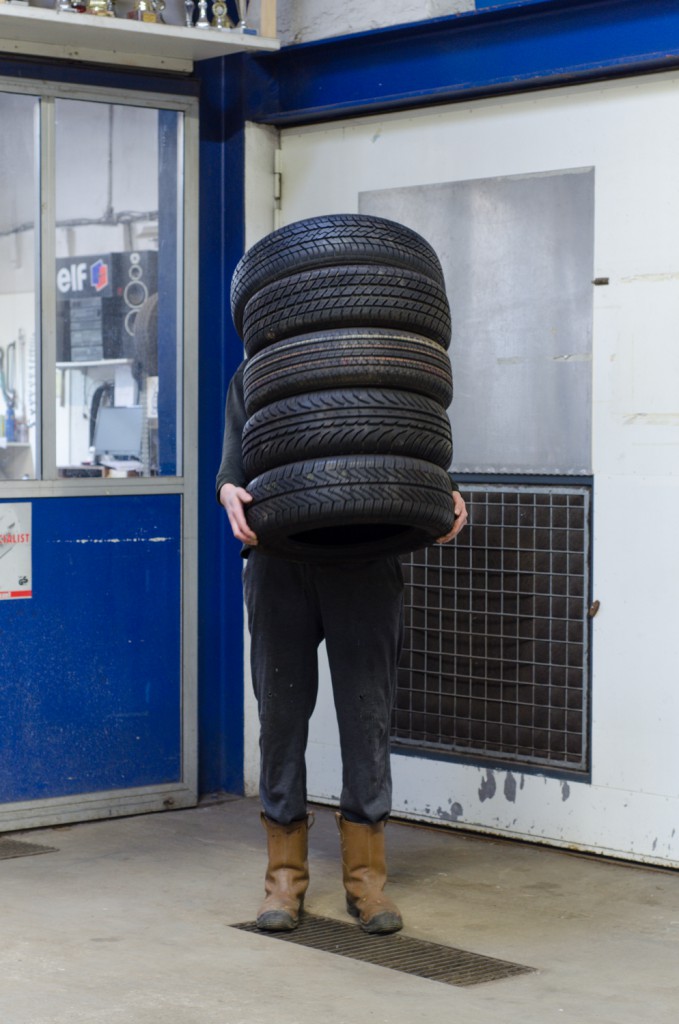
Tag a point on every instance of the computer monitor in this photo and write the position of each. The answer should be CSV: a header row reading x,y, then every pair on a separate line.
x,y
118,431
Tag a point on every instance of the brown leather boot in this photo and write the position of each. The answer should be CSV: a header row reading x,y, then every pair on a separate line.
x,y
287,874
365,874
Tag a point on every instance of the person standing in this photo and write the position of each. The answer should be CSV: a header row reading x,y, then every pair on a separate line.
x,y
357,608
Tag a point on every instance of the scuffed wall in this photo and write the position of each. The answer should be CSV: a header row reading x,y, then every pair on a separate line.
x,y
300,21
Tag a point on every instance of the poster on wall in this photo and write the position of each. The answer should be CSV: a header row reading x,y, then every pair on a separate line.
x,y
16,576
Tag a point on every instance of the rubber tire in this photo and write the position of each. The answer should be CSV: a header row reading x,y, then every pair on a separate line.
x,y
353,296
348,359
350,508
146,336
327,241
325,424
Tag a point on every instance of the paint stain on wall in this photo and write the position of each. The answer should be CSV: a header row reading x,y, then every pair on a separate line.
x,y
488,787
454,814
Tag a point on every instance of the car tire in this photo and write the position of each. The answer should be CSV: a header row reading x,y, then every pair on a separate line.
x,y
325,424
330,240
348,359
350,507
351,296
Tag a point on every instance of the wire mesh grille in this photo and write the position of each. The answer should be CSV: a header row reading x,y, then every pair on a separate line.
x,y
496,648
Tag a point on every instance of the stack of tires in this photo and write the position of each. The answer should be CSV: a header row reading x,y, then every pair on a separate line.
x,y
346,326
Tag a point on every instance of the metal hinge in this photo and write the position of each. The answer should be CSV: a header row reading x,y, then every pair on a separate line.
x,y
277,186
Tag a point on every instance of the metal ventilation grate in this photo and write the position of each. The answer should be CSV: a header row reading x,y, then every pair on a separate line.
x,y
495,663
397,952
10,848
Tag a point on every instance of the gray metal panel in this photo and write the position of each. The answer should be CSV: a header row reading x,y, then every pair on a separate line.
x,y
517,253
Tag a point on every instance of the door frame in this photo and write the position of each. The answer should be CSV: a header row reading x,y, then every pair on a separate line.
x,y
443,60
312,85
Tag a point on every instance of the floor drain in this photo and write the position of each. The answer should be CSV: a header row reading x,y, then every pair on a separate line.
x,y
10,848
397,952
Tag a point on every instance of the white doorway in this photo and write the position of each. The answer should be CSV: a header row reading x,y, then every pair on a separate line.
x,y
626,800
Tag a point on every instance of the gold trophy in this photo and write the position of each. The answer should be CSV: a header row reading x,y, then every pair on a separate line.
x,y
102,8
220,17
147,10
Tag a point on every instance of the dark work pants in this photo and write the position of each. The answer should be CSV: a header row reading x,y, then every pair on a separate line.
x,y
358,609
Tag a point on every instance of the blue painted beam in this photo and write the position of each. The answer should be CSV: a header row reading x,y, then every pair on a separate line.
x,y
486,4
499,50
220,601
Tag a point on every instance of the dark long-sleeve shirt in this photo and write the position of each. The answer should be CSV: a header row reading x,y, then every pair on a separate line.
x,y
231,469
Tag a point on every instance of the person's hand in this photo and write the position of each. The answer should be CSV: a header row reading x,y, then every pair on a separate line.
x,y
460,521
234,499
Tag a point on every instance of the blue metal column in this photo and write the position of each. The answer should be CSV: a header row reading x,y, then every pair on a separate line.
x,y
220,352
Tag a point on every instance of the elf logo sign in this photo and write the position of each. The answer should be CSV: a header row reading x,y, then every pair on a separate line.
x,y
83,278
99,275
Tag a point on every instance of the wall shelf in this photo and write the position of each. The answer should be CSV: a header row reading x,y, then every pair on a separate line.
x,y
39,32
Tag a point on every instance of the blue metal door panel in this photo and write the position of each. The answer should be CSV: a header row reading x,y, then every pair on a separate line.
x,y
90,666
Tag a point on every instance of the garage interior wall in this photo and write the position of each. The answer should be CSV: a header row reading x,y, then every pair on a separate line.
x,y
374,60
287,109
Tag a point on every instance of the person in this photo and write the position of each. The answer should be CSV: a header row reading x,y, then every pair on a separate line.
x,y
357,608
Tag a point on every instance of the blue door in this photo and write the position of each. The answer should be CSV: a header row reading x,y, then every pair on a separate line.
x,y
97,499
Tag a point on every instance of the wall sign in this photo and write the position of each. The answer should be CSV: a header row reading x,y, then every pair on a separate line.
x,y
16,543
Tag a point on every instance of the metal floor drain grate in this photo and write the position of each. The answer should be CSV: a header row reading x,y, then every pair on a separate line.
x,y
397,952
10,848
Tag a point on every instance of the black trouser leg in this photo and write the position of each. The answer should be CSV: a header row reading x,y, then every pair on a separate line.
x,y
362,613
359,609
285,629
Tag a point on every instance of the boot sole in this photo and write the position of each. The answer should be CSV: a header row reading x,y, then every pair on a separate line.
x,y
276,921
381,924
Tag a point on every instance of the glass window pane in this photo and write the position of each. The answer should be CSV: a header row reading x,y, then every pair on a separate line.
x,y
118,232
18,206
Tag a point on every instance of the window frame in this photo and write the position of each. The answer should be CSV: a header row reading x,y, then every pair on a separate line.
x,y
46,482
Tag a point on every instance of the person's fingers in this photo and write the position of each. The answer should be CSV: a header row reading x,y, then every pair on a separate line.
x,y
234,500
461,516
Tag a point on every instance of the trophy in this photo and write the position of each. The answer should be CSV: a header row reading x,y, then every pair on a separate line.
x,y
147,10
102,8
203,21
220,19
242,9
189,8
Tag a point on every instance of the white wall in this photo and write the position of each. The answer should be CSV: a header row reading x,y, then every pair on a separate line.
x,y
300,21
620,128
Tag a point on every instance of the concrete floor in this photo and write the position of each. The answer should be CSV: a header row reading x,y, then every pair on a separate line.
x,y
128,923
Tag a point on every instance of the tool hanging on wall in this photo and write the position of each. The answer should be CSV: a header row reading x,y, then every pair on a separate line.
x,y
7,382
